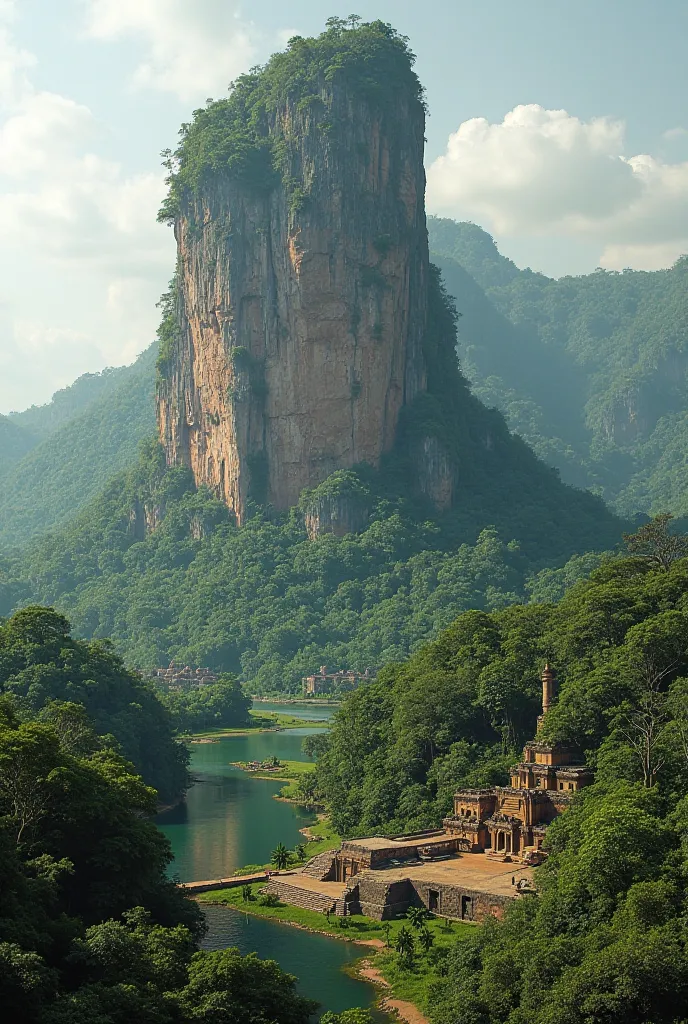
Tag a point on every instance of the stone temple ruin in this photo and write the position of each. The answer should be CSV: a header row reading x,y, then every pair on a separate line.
x,y
480,859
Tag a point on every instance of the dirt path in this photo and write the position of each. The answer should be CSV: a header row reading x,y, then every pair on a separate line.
x,y
401,1008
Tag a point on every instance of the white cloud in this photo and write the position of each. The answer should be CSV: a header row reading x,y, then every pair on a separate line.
x,y
545,172
193,48
43,128
36,360
14,61
83,260
672,134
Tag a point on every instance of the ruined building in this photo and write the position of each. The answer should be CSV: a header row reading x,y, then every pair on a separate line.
x,y
329,682
473,867
512,819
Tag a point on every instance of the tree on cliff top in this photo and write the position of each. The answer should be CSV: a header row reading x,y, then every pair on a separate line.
x,y
230,137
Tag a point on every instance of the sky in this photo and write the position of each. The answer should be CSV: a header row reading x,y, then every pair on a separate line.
x,y
560,126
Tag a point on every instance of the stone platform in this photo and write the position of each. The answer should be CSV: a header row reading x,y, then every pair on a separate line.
x,y
465,887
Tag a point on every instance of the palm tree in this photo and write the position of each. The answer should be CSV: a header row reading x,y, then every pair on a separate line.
x,y
417,916
280,856
405,947
425,938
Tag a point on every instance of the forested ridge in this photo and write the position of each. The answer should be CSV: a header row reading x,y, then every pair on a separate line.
x,y
604,939
54,458
589,370
162,570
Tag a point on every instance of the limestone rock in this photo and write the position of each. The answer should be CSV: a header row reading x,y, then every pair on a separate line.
x,y
301,312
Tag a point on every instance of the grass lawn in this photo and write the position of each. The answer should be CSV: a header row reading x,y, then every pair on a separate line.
x,y
324,838
350,928
270,719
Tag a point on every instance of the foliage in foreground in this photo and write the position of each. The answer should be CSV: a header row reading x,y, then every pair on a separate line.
x,y
44,667
91,929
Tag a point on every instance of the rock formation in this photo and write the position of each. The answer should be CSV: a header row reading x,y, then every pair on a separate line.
x,y
301,308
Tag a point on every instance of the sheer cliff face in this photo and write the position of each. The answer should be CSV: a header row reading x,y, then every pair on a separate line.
x,y
301,312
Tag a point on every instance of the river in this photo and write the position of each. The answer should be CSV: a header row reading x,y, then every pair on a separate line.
x,y
230,820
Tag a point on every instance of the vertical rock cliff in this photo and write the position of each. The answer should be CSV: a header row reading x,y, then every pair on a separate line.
x,y
297,317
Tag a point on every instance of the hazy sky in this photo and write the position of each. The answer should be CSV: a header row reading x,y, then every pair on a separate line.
x,y
561,126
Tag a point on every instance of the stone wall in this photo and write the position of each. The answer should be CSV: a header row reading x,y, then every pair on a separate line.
x,y
384,900
457,902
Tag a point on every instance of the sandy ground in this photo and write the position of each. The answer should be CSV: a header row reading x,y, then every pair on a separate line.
x,y
470,870
402,1009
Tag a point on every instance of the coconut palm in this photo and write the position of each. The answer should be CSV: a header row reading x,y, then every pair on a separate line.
x,y
280,856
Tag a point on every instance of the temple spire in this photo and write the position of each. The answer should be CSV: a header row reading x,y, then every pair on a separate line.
x,y
548,684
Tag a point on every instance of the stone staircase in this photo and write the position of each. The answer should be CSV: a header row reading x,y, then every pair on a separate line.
x,y
295,896
510,806
321,866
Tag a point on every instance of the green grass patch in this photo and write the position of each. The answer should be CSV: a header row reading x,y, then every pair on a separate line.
x,y
272,719
357,927
414,984
260,720
325,838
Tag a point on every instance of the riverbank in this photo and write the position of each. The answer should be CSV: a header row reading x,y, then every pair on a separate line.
x,y
298,700
265,721
403,992
364,930
401,1008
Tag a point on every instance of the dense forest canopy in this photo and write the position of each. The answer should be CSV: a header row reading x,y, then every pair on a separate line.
x,y
91,929
458,711
43,667
230,138
604,939
589,370
270,605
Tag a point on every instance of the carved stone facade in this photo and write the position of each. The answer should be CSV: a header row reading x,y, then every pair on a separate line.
x,y
511,820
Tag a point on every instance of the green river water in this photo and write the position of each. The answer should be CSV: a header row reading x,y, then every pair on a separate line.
x,y
229,820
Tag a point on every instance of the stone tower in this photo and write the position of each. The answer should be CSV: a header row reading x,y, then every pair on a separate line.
x,y
549,682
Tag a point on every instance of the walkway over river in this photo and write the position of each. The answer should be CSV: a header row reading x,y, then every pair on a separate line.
x,y
230,820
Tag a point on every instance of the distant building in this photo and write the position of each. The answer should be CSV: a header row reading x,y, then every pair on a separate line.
x,y
176,678
329,682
